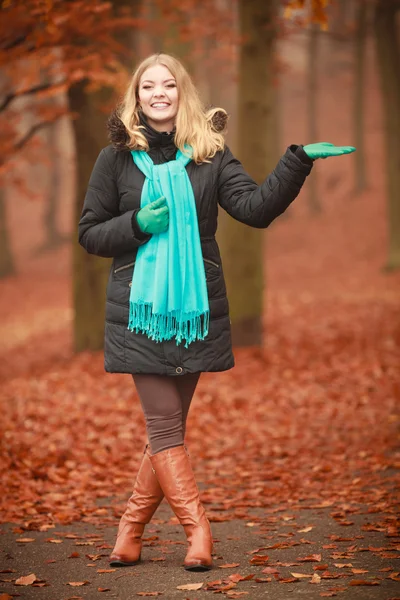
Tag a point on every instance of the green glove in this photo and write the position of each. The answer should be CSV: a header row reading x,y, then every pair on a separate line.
x,y
154,217
325,149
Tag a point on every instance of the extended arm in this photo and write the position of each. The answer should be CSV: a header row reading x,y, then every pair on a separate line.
x,y
102,230
258,205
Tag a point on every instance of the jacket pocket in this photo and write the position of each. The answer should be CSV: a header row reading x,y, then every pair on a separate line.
x,y
212,269
124,272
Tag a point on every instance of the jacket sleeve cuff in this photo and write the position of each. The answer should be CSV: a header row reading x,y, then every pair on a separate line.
x,y
137,232
298,150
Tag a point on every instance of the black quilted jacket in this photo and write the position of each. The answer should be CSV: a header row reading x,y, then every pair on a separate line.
x,y
108,228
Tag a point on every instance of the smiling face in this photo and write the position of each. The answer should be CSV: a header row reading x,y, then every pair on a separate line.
x,y
158,96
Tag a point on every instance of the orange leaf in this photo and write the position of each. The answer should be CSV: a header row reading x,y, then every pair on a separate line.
x,y
229,565
77,583
26,580
106,570
236,577
190,586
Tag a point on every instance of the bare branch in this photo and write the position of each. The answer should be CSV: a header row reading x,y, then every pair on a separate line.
x,y
10,97
21,143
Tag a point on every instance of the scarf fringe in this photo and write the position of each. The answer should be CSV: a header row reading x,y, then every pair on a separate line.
x,y
191,326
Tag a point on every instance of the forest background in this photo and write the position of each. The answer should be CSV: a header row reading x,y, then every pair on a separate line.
x,y
314,300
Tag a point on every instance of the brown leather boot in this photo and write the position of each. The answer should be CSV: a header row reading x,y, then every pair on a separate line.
x,y
176,478
146,496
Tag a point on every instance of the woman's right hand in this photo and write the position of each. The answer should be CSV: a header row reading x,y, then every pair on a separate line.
x,y
154,217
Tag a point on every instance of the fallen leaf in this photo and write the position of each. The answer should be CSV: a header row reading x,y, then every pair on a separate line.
x,y
26,580
77,583
8,571
270,570
359,571
25,540
106,570
259,560
236,577
5,597
100,589
74,555
364,582
190,586
84,544
149,593
229,565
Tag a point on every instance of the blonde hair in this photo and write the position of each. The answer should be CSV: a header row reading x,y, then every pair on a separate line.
x,y
194,125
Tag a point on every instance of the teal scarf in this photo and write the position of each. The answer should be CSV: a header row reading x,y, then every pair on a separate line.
x,y
168,297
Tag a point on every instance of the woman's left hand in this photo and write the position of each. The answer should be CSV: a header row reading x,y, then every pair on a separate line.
x,y
325,149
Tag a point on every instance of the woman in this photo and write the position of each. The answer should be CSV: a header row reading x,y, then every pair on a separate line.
x,y
151,205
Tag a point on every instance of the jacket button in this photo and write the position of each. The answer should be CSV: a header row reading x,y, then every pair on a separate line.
x,y
179,370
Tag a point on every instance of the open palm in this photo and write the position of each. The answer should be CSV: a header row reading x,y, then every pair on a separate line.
x,y
325,149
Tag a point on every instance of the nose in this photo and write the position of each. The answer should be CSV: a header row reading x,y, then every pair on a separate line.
x,y
159,92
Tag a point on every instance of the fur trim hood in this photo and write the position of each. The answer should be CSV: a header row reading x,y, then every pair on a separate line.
x,y
119,138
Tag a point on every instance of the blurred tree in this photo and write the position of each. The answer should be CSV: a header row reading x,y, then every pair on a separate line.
x,y
388,53
53,236
7,266
359,95
256,148
312,110
84,34
90,273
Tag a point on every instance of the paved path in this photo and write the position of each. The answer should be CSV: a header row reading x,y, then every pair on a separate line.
x,y
377,552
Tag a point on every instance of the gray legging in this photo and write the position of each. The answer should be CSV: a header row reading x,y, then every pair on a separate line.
x,y
165,402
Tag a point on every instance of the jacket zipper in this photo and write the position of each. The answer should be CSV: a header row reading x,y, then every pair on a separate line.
x,y
124,267
211,262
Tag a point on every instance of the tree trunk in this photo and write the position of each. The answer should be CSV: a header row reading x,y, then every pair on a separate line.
x,y
312,91
53,235
7,266
242,247
90,273
388,54
359,104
